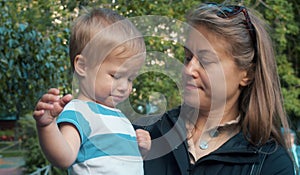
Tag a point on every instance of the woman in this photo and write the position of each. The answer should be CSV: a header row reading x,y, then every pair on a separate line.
x,y
230,120
232,113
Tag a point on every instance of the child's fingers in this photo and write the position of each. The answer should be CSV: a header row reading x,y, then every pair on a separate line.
x,y
144,141
143,138
57,109
51,96
141,131
40,109
43,106
142,135
47,100
53,91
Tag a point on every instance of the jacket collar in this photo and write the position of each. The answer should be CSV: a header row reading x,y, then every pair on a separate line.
x,y
237,149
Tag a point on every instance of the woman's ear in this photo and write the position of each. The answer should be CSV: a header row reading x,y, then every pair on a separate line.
x,y
247,78
80,65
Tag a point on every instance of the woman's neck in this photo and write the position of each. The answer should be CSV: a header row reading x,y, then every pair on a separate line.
x,y
207,120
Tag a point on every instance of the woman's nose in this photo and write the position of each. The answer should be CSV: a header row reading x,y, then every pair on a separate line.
x,y
123,85
192,68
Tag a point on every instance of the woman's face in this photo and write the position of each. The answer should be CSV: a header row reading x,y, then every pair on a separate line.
x,y
212,80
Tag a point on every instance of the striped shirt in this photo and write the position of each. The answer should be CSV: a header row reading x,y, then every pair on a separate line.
x,y
108,140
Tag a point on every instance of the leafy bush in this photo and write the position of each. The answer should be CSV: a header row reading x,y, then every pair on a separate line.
x,y
34,158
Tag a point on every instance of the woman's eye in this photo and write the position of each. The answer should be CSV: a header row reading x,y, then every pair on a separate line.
x,y
115,76
206,58
187,59
204,61
188,55
132,78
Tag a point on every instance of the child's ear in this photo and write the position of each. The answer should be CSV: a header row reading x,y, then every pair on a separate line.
x,y
80,65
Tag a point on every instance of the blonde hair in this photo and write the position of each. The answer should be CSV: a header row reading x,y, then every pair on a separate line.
x,y
261,102
100,31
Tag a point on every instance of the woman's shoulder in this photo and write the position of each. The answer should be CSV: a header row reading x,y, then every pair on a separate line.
x,y
273,157
277,159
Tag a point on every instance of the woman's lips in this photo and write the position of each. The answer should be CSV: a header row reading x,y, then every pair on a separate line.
x,y
192,86
118,98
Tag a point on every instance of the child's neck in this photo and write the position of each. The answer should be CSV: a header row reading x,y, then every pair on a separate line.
x,y
83,97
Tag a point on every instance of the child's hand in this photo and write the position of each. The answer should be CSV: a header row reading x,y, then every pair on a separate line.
x,y
144,141
49,106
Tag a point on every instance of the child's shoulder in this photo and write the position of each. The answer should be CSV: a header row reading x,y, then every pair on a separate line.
x,y
75,104
90,106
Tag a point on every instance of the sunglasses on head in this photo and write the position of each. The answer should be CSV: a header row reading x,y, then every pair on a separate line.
x,y
230,11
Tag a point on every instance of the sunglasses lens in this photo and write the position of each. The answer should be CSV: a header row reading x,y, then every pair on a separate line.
x,y
229,11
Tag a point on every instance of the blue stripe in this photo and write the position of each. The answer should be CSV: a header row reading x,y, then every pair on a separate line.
x,y
77,119
98,109
108,145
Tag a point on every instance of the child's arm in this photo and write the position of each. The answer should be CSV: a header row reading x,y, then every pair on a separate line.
x,y
144,141
60,145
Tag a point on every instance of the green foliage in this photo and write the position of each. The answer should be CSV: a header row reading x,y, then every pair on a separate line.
x,y
30,63
34,158
159,86
282,19
34,54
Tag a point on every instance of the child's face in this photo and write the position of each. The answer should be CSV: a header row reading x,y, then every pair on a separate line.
x,y
113,81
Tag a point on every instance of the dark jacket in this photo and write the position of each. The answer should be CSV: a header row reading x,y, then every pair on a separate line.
x,y
169,153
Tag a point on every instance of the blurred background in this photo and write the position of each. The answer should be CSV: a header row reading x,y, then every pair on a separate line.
x,y
34,57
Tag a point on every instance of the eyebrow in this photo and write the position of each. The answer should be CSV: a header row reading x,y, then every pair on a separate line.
x,y
204,52
207,53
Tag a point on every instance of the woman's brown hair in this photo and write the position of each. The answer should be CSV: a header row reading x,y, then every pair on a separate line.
x,y
261,102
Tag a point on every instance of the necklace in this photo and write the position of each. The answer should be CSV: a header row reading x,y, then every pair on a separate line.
x,y
224,129
204,144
